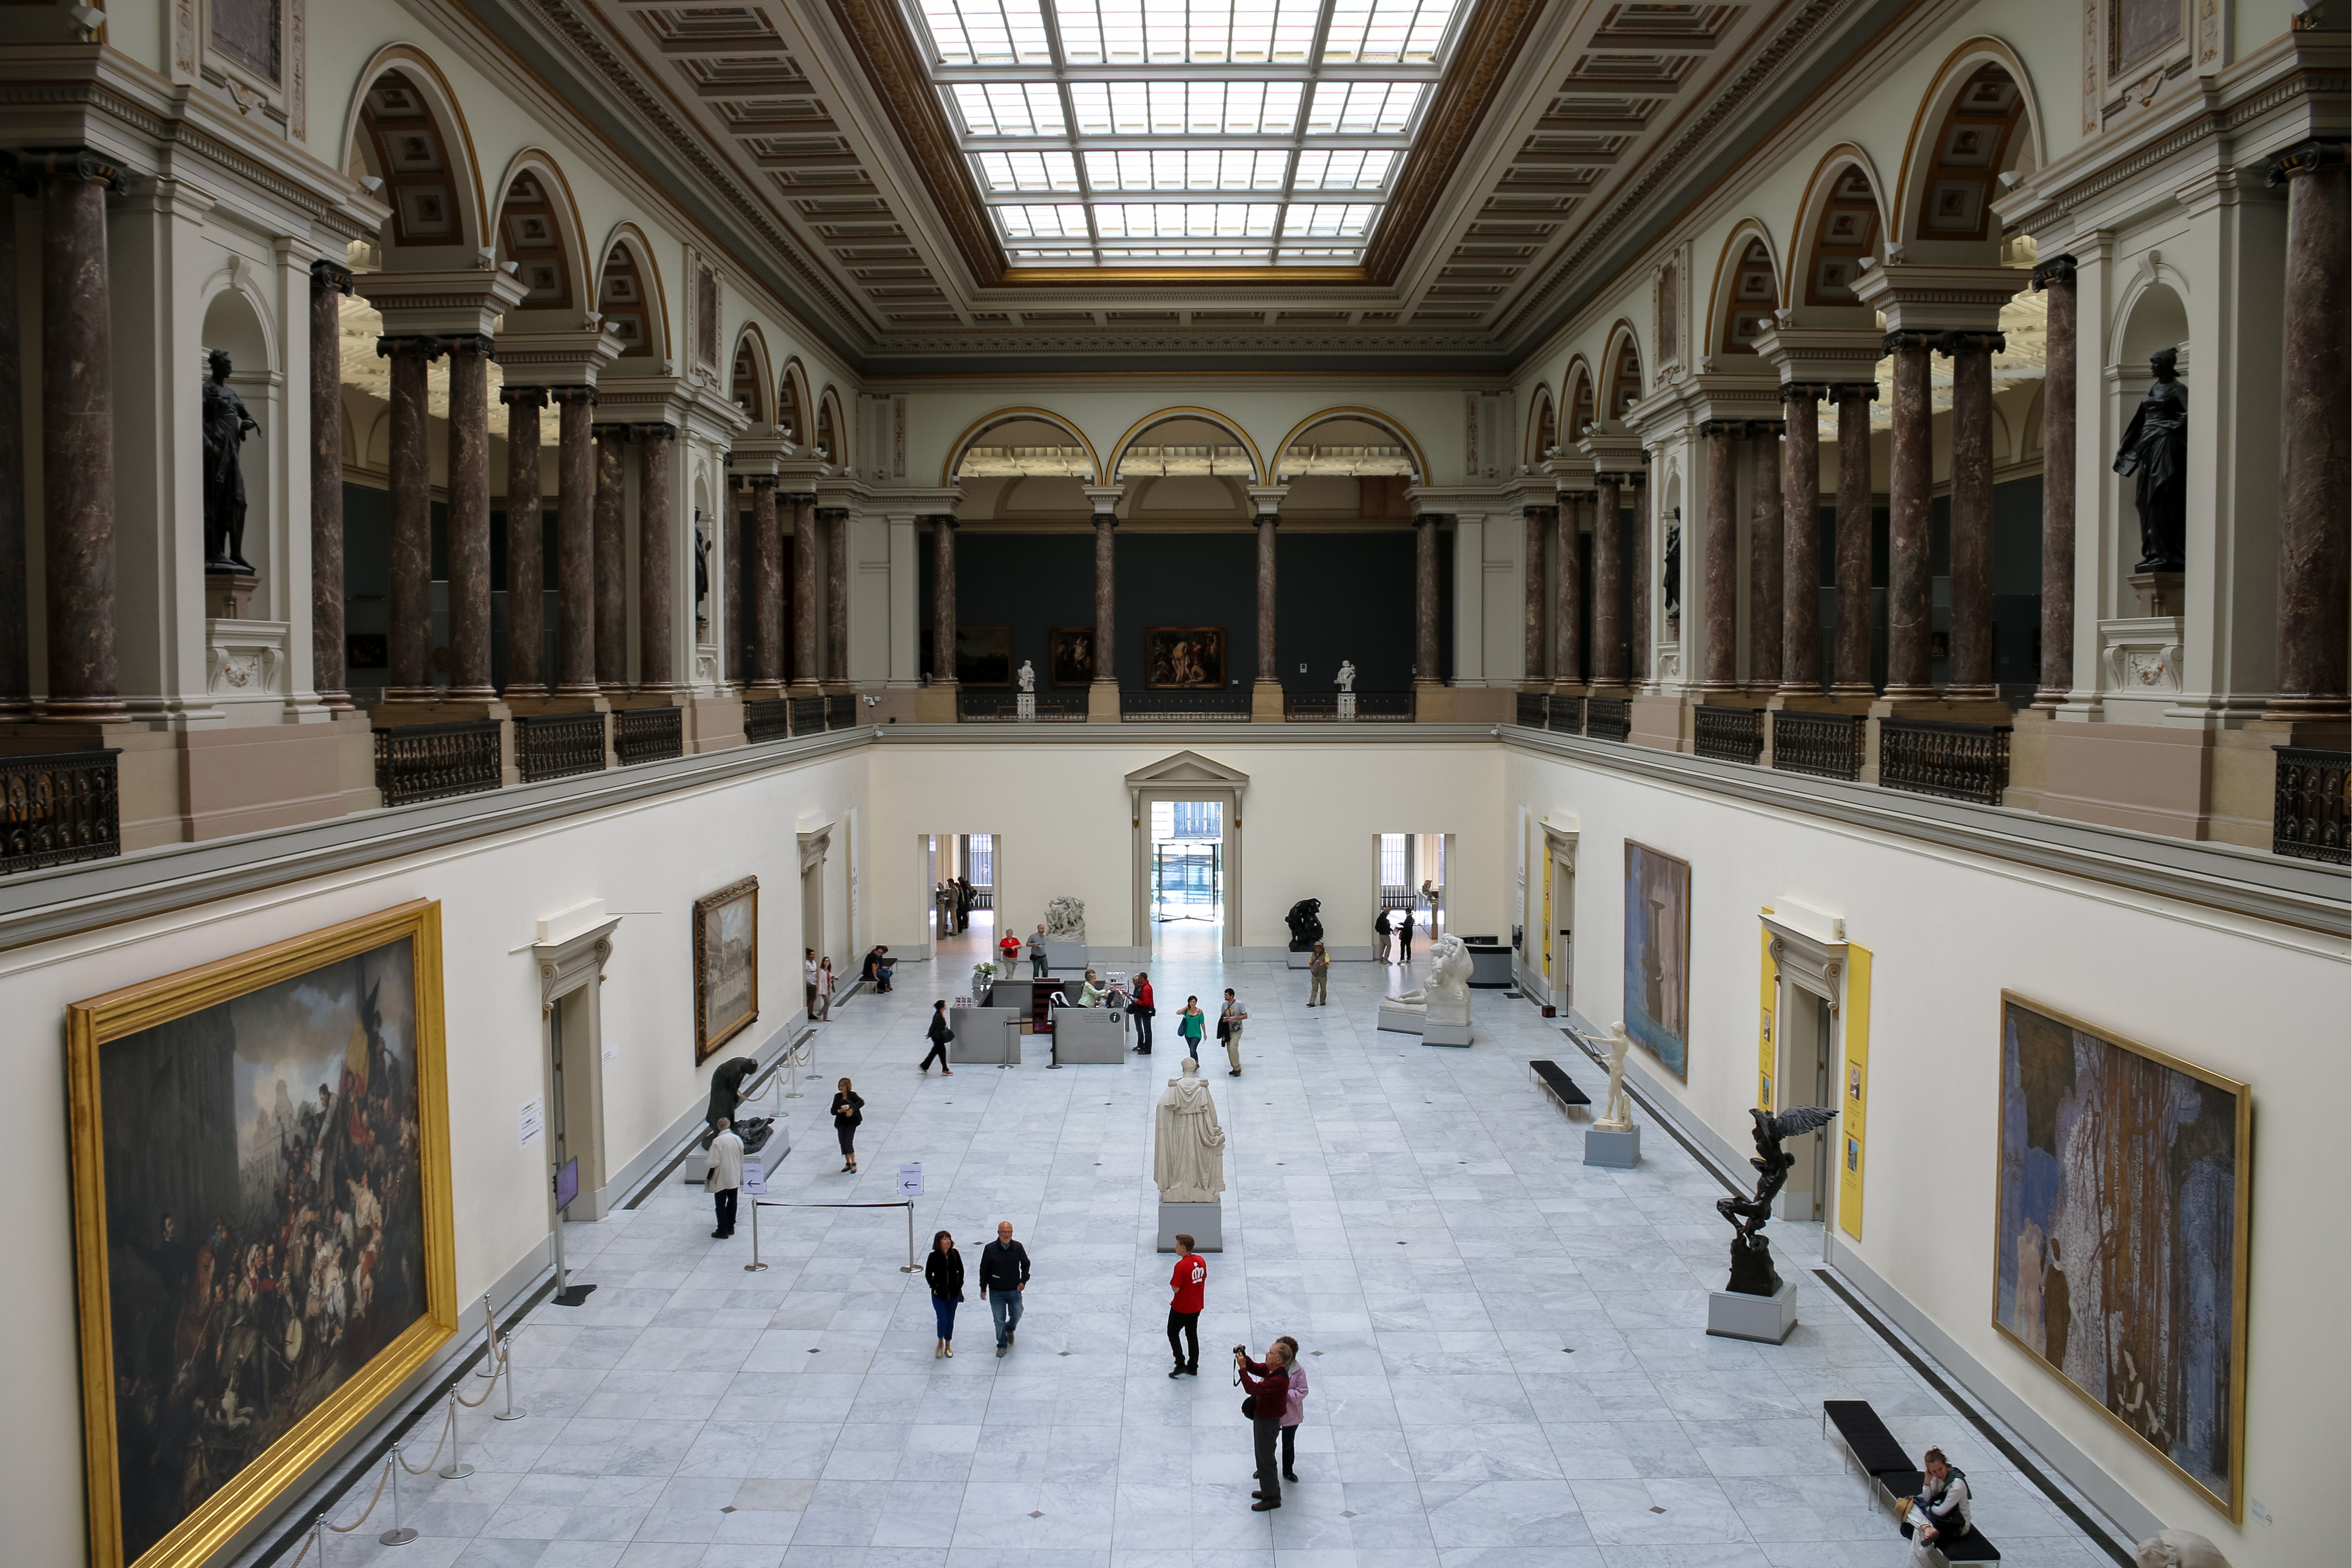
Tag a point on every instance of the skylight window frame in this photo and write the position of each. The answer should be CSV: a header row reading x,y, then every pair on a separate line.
x,y
1114,253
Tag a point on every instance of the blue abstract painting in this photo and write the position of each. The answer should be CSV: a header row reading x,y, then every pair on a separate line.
x,y
1657,955
2120,1252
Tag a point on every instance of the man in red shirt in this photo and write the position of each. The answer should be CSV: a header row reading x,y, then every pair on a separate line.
x,y
1191,1284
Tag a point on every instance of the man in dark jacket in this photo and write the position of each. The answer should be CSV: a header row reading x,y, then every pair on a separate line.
x,y
1269,1391
1003,1275
1404,938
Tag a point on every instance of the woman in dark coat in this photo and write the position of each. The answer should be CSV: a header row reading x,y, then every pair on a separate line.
x,y
849,1110
726,1093
943,1272
939,1034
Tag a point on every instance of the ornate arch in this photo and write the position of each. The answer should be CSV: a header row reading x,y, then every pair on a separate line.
x,y
795,407
832,431
1583,398
1389,423
1543,424
537,227
1746,291
630,296
405,127
1840,220
1205,415
1018,415
1980,118
748,375
1621,372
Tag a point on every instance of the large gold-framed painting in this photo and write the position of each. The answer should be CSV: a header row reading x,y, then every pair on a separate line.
x,y
263,1243
2120,1245
726,966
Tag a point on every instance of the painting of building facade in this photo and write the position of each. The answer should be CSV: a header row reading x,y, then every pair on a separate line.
x,y
261,1172
2120,1255
1657,955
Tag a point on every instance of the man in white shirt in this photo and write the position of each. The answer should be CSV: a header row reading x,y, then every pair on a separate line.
x,y
724,1177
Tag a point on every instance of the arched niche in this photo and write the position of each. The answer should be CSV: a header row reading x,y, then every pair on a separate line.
x,y
406,131
1621,372
537,231
1543,425
1583,408
1974,124
630,298
236,323
1182,441
1747,292
748,377
832,430
1359,443
1840,224
1026,462
795,409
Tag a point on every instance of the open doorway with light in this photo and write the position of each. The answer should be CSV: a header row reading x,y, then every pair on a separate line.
x,y
1187,874
960,882
1409,870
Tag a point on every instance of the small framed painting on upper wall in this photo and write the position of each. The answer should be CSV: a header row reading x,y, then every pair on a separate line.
x,y
1657,955
1185,659
1070,655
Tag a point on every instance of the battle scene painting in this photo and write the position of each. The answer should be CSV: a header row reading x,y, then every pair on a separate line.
x,y
2120,1247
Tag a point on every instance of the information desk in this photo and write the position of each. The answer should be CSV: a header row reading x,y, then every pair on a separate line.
x,y
985,1036
1088,1035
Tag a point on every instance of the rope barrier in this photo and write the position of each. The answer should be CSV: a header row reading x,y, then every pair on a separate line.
x,y
756,1266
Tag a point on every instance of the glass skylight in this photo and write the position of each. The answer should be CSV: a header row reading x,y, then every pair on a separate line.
x,y
1198,132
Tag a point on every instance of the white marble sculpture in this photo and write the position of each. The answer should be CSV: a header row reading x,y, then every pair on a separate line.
x,y
1444,1003
1347,675
1617,1111
1189,1158
1065,919
1028,676
2179,1549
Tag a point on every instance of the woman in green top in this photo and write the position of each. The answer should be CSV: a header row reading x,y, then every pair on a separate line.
x,y
1189,1024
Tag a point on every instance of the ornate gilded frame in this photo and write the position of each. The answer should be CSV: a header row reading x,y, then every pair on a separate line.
x,y
90,1025
710,1034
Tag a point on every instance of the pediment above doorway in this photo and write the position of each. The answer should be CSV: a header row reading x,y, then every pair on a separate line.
x,y
1178,770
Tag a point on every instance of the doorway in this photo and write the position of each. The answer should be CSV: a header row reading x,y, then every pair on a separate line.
x,y
1186,867
960,883
1559,920
570,974
1807,1022
1410,872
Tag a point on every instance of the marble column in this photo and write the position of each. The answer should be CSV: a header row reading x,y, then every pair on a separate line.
x,y
1568,604
1910,585
1765,612
1607,589
767,595
1106,598
1531,586
1800,543
612,560
2056,277
1268,669
803,593
1971,672
657,650
409,673
1853,538
1644,537
836,593
329,283
469,520
77,439
1424,598
1719,652
576,540
526,562
2314,458
943,603
732,669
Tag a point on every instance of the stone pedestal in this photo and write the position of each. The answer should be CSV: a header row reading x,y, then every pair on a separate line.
x,y
1102,702
1347,708
1204,1223
1606,1146
1297,960
1066,955
228,595
1266,702
1024,707
1766,1320
2159,593
1445,1035
1399,1018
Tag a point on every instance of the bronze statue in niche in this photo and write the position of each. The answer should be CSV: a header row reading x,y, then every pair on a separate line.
x,y
2154,457
226,422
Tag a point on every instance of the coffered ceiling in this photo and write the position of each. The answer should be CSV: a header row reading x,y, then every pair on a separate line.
x,y
948,186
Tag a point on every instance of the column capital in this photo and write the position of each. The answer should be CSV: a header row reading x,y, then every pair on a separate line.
x,y
1732,429
603,432
756,481
331,274
480,344
1807,391
2055,270
70,163
799,497
1104,499
946,520
1264,499
523,396
654,432
829,514
1917,338
583,396
1951,346
1539,513
1865,390
2306,158
430,347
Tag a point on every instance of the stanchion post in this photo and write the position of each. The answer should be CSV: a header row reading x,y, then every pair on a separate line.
x,y
506,1362
489,1339
755,1266
397,1535
456,1470
811,1042
910,1237
791,1092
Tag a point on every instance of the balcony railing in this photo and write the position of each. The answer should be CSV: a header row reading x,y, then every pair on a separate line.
x,y
1957,761
558,745
648,734
1607,718
1568,715
840,709
1826,745
1532,706
807,714
1326,707
58,809
1728,734
2313,801
1175,707
433,762
1004,707
766,718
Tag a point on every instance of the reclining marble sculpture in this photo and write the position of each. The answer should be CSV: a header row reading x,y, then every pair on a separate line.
x,y
1442,1006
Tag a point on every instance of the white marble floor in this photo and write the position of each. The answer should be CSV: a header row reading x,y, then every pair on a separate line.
x,y
1506,1347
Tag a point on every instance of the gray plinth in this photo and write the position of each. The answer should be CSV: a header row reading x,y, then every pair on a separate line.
x,y
987,1037
1605,1146
1402,1020
1204,1223
1297,960
1066,955
1087,1035
1766,1319
1445,1035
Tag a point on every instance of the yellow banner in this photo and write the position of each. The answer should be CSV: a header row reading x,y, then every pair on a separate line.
x,y
1769,998
1547,918
1857,1090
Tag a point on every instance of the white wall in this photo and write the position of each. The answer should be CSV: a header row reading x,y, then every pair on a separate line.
x,y
1948,931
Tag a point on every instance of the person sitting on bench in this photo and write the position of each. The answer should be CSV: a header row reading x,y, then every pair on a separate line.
x,y
1938,1516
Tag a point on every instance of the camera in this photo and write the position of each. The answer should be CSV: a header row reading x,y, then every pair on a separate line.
x,y
1241,1350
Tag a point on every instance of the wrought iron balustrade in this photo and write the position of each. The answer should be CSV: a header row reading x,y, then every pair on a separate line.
x,y
1728,734
1329,708
766,718
432,761
2313,801
1004,707
1385,707
840,709
1152,707
648,734
807,714
558,745
57,809
1531,710
1826,745
1568,715
1607,718
1957,761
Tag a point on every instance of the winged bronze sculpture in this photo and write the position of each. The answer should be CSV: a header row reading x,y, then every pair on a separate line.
x,y
1752,1273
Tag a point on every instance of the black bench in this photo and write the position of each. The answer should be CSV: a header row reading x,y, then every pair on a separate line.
x,y
1563,1088
1881,1457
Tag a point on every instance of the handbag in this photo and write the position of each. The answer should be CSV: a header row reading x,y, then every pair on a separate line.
x,y
1249,1407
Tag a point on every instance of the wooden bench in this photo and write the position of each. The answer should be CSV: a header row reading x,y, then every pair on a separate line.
x,y
1879,1456
1563,1088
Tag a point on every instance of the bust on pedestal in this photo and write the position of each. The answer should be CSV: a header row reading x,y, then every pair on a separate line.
x,y
1189,1163
1438,1012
